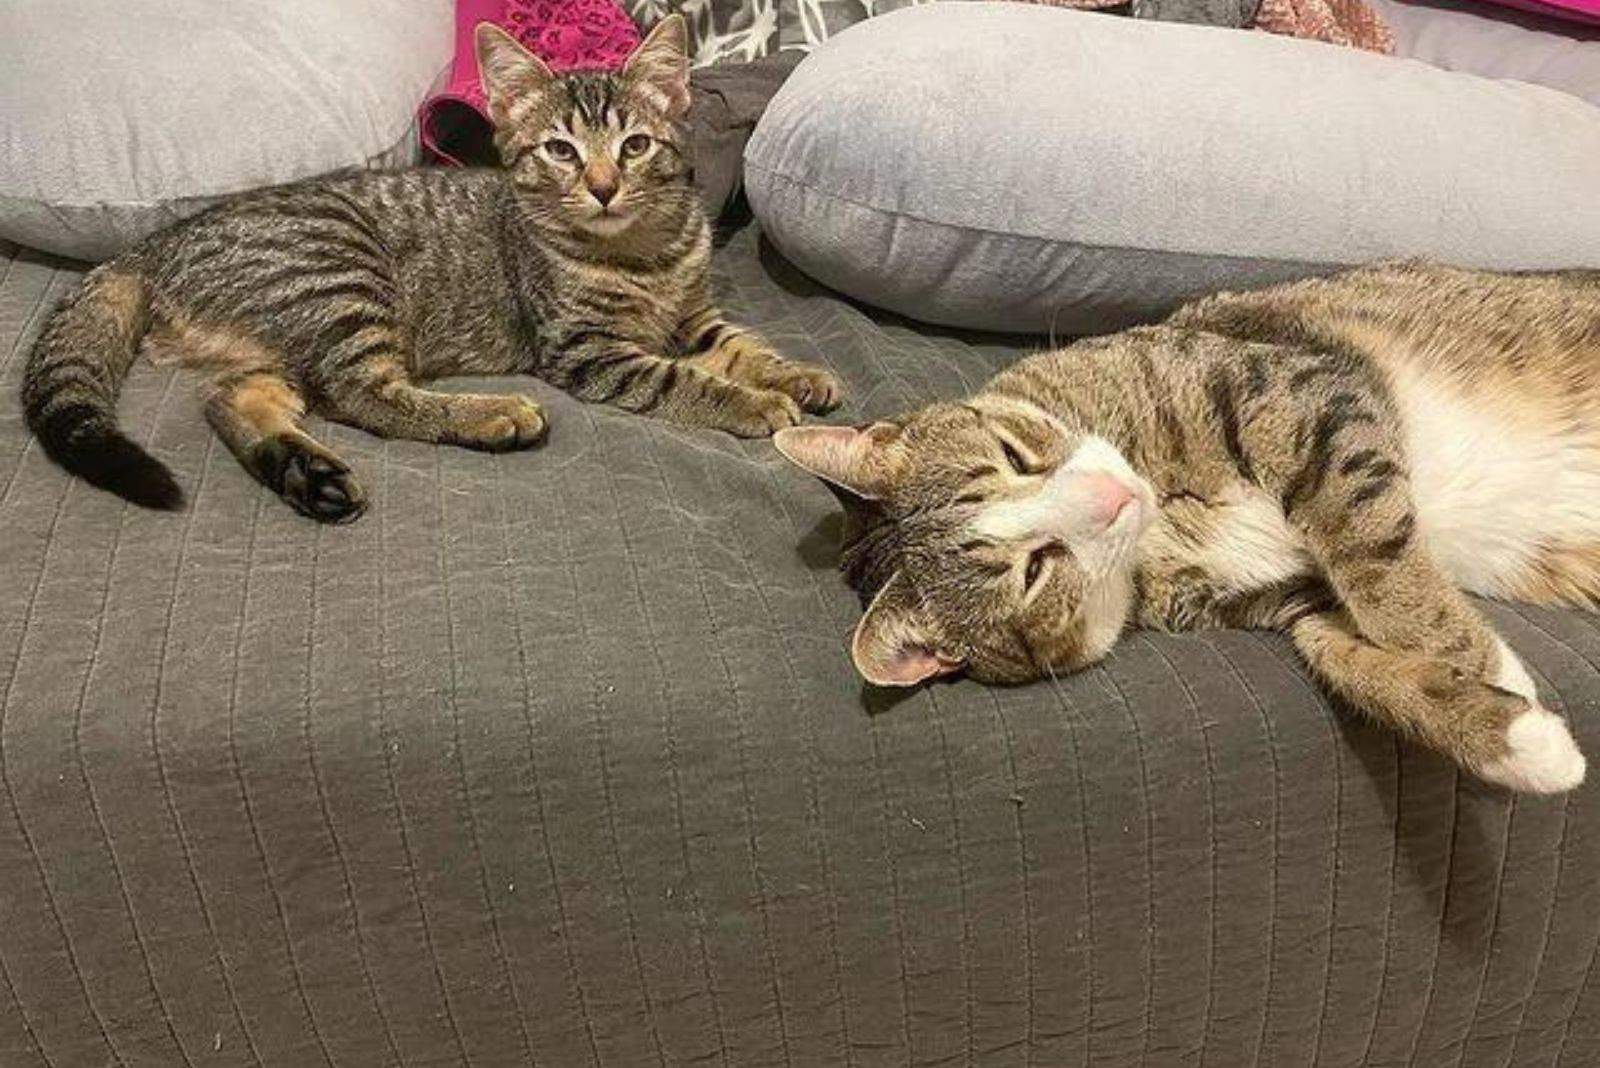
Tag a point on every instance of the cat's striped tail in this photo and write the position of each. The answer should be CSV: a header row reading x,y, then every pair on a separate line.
x,y
70,386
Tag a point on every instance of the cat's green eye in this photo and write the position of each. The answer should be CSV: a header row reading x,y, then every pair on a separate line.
x,y
561,151
635,145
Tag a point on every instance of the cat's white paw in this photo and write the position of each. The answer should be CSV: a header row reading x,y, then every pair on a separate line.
x,y
1543,758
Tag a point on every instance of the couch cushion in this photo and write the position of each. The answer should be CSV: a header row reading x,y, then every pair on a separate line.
x,y
120,118
1498,43
1027,168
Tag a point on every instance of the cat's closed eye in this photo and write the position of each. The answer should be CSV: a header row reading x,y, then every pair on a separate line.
x,y
1014,457
1038,561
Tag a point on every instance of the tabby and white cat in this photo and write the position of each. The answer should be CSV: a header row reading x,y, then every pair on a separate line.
x,y
584,262
1338,459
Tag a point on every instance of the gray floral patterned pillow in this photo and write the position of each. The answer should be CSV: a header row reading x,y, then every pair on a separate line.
x,y
742,30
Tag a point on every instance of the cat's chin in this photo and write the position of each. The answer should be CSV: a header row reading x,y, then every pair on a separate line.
x,y
609,225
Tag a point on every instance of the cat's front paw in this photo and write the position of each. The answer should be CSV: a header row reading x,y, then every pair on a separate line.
x,y
504,423
761,413
1540,758
814,388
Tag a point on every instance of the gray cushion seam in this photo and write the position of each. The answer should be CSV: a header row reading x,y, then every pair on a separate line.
x,y
969,228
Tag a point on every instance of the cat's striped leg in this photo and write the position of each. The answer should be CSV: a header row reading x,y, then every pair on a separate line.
x,y
1495,729
257,415
376,393
601,368
732,352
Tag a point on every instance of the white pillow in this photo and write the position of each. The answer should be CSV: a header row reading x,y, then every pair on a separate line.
x,y
1029,168
120,117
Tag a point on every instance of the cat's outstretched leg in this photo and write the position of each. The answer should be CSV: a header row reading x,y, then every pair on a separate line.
x,y
1406,644
257,415
740,355
1497,730
379,396
601,368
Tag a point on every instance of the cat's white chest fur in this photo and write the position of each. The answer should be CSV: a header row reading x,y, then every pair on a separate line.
x,y
1253,545
1494,491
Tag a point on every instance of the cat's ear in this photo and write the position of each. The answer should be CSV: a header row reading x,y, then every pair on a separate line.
x,y
846,457
892,645
659,67
510,72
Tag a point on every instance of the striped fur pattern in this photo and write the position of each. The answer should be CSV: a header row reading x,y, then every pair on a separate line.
x,y
584,261
1340,459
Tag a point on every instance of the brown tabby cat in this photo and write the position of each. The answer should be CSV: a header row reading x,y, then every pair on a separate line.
x,y
584,261
1338,459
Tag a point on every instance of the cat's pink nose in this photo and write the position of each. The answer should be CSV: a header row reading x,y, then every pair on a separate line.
x,y
1109,496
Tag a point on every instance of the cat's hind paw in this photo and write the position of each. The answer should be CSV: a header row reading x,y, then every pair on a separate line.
x,y
1542,758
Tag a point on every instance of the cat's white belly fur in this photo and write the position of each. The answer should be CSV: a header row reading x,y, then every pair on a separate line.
x,y
1490,496
1489,491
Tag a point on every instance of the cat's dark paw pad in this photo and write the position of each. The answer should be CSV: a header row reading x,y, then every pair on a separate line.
x,y
518,423
317,485
814,388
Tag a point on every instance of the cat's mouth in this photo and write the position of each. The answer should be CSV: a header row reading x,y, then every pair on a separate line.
x,y
607,221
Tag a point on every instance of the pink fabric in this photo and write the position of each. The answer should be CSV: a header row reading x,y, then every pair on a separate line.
x,y
1344,22
566,34
1576,10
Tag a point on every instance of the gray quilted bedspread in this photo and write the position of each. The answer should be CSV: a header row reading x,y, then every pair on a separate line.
x,y
558,759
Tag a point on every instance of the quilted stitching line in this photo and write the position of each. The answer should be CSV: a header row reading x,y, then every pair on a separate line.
x,y
512,584
1019,824
672,750
1338,855
83,769
461,765
27,446
813,773
22,1015
1069,710
1148,971
244,791
10,792
602,735
322,800
1444,910
961,876
1388,919
1211,829
742,746
33,313
1561,871
387,743
1277,805
161,765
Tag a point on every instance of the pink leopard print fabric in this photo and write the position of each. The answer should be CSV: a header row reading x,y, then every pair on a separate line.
x,y
574,34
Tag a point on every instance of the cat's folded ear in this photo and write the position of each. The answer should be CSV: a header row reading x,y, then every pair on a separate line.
x,y
659,67
892,645
510,72
845,457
